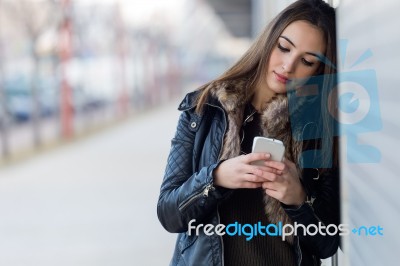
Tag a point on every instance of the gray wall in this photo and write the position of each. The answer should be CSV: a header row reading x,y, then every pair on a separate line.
x,y
236,14
263,11
371,184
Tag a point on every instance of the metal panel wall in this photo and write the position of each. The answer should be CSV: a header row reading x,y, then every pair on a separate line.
x,y
370,175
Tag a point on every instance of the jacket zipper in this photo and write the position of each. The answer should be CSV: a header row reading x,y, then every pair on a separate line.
x,y
244,123
299,251
203,193
222,241
310,203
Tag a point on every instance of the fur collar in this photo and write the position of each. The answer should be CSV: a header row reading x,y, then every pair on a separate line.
x,y
275,123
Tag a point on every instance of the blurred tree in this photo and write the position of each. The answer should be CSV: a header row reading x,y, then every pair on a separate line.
x,y
3,104
35,18
65,53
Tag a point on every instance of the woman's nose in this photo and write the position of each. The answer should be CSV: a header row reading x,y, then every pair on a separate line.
x,y
288,65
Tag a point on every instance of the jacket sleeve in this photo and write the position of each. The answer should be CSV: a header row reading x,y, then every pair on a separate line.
x,y
323,211
185,194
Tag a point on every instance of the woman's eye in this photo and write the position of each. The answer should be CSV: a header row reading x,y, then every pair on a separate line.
x,y
307,63
283,49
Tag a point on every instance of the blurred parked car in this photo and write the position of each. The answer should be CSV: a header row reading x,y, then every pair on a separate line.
x,y
19,100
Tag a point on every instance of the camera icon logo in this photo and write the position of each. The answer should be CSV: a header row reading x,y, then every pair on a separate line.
x,y
348,102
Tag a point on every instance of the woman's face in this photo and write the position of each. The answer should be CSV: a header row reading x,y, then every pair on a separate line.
x,y
296,55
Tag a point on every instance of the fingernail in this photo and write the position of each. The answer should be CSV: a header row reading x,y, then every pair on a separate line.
x,y
267,155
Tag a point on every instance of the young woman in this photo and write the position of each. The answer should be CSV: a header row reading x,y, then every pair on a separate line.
x,y
210,178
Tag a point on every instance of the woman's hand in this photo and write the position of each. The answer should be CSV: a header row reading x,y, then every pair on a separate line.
x,y
237,172
284,183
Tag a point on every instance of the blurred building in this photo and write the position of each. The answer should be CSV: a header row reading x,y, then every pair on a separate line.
x,y
246,18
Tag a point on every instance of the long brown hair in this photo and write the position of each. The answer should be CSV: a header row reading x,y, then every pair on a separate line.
x,y
254,62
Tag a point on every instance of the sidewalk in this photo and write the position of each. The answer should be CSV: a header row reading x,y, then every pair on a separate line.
x,y
92,202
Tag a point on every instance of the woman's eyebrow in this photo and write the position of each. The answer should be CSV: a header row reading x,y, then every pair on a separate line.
x,y
287,39
319,56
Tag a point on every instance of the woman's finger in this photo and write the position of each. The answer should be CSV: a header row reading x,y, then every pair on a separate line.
x,y
256,156
269,185
253,178
269,176
273,193
254,169
276,165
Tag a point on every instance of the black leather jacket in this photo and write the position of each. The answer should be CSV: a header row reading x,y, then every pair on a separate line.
x,y
187,192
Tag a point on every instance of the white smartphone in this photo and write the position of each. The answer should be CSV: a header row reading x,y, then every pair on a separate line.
x,y
268,145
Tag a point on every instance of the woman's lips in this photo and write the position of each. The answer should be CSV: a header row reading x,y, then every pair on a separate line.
x,y
281,78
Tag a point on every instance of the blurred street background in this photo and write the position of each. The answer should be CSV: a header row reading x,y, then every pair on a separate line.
x,y
88,97
91,202
67,67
